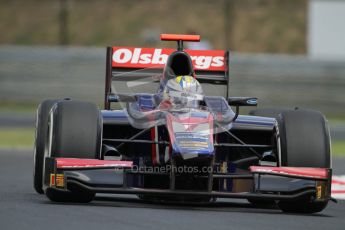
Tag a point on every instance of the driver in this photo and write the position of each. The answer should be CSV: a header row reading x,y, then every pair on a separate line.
x,y
181,92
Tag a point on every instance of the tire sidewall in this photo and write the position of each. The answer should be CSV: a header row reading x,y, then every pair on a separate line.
x,y
42,116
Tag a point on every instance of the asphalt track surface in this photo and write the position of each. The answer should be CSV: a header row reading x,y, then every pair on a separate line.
x,y
22,208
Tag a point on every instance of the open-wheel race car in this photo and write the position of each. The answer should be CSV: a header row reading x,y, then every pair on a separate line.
x,y
177,142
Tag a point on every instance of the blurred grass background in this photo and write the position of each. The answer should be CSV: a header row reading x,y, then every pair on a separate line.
x,y
268,26
17,137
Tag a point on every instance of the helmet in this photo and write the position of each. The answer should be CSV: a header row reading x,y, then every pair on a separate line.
x,y
183,91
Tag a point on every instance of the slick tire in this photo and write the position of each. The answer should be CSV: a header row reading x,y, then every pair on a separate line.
x,y
76,132
304,142
40,141
75,195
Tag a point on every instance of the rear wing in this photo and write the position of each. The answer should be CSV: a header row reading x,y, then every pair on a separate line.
x,y
211,66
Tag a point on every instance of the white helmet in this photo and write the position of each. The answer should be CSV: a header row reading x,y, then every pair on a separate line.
x,y
184,91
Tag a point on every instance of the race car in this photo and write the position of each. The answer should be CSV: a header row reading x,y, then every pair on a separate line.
x,y
162,137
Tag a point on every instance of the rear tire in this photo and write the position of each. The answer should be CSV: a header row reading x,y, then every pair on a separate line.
x,y
304,142
40,141
76,133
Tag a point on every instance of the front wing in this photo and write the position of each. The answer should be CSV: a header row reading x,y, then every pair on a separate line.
x,y
118,177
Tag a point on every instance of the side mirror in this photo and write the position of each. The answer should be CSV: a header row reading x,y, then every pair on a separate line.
x,y
243,101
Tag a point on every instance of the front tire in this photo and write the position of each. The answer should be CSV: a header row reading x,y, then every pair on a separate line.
x,y
76,132
304,142
75,195
302,206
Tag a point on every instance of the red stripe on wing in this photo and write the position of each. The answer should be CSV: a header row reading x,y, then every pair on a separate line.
x,y
63,163
318,173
